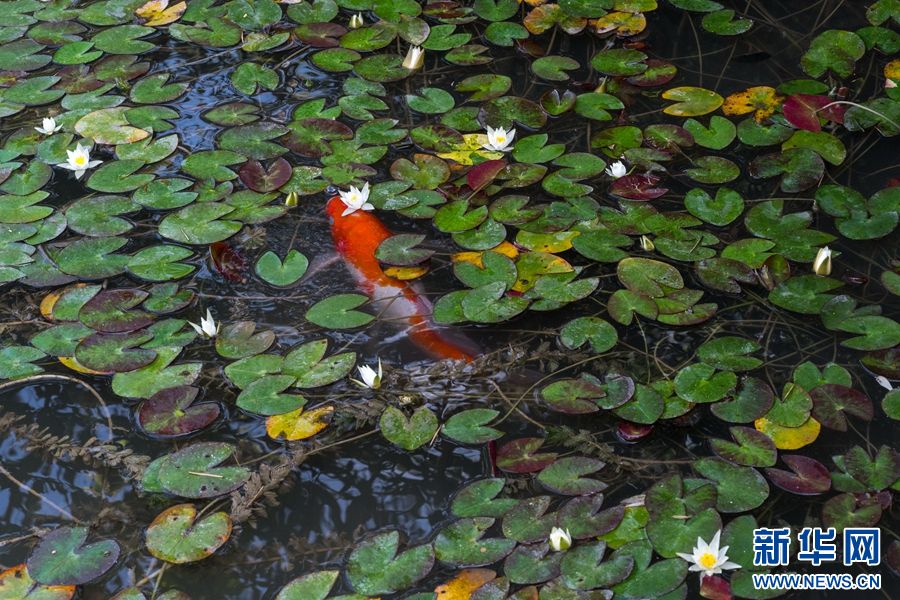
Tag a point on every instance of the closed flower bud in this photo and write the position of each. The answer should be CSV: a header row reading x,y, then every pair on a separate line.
x,y
415,58
647,244
356,21
560,539
822,263
291,199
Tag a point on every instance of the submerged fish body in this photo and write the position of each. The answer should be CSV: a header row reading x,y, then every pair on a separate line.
x,y
356,237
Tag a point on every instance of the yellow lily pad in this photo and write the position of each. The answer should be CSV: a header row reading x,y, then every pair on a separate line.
x,y
299,425
789,438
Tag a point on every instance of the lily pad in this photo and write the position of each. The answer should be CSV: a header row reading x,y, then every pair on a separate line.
x,y
178,535
408,433
63,558
194,471
172,412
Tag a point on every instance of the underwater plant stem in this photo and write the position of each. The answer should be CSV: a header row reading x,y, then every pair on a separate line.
x,y
39,495
514,406
69,378
162,571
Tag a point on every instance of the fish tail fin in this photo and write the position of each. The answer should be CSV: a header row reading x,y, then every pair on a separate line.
x,y
442,344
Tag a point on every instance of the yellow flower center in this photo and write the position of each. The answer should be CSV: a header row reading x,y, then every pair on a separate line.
x,y
501,139
708,560
80,160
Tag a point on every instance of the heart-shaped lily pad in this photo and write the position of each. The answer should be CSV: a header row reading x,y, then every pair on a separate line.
x,y
63,558
193,471
275,271
171,412
408,433
177,535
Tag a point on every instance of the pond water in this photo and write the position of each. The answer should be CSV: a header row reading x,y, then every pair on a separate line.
x,y
658,355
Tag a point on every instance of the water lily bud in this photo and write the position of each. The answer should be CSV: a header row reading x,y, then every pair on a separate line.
x,y
415,58
822,263
356,21
291,199
647,244
560,539
764,275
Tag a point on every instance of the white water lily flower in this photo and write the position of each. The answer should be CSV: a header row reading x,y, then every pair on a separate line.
x,y
415,58
79,161
356,199
709,559
370,378
560,539
884,382
499,139
822,263
617,169
48,126
207,327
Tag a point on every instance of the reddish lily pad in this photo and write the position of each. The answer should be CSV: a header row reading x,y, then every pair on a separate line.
x,y
804,111
171,412
261,179
522,456
109,311
641,187
832,402
115,352
809,477
483,174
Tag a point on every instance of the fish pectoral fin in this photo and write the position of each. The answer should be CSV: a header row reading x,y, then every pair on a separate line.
x,y
320,263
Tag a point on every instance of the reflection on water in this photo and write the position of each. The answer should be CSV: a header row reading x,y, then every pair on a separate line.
x,y
337,498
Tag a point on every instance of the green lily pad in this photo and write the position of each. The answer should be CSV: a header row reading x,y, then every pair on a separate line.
x,y
752,448
309,365
336,312
834,50
739,488
375,566
725,208
238,340
408,433
470,426
193,471
462,544
313,586
565,476
263,396
63,558
178,535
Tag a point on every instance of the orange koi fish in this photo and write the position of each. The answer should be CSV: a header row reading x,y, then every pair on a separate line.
x,y
356,237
